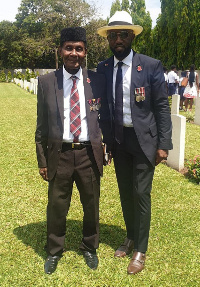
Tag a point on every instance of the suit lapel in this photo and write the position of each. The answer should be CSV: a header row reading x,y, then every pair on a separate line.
x,y
135,77
109,66
59,94
88,94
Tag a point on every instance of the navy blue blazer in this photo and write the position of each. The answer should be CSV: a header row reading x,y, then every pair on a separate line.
x,y
151,118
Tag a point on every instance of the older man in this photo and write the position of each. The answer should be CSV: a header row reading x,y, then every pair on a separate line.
x,y
69,147
141,129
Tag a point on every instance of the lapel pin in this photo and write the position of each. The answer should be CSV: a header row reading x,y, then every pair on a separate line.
x,y
88,81
139,68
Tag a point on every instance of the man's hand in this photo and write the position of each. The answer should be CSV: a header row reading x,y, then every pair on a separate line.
x,y
43,173
160,155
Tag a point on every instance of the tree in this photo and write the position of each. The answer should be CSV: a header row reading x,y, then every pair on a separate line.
x,y
8,37
142,42
116,6
32,40
178,34
43,19
125,6
97,46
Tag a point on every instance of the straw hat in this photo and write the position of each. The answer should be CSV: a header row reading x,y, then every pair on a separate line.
x,y
120,20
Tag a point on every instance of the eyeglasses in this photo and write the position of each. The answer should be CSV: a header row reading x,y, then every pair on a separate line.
x,y
122,34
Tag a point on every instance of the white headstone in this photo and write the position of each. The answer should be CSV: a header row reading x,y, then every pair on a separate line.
x,y
176,156
197,111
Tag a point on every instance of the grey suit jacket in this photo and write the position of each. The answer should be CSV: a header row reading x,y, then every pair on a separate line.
x,y
50,118
151,117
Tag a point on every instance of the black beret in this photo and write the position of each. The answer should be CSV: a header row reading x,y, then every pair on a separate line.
x,y
73,34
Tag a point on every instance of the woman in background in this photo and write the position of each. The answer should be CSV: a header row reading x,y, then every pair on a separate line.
x,y
181,89
192,88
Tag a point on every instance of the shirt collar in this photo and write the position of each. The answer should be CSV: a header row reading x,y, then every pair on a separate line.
x,y
127,61
67,75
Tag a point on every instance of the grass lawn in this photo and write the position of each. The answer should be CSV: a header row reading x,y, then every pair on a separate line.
x,y
173,257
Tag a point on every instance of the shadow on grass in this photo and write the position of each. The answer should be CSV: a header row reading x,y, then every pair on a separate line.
x,y
34,235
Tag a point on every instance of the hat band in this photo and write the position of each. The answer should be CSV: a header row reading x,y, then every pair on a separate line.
x,y
119,23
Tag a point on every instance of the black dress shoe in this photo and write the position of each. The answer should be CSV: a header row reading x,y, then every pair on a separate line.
x,y
51,264
91,259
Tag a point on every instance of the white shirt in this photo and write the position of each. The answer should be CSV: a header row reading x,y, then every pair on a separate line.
x,y
172,77
126,74
67,86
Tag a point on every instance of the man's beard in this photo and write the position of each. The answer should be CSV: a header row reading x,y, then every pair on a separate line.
x,y
121,55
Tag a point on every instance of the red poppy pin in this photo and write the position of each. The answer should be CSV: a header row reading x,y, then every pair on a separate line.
x,y
106,64
88,81
139,68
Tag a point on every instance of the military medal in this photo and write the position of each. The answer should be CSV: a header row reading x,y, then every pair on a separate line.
x,y
140,94
95,104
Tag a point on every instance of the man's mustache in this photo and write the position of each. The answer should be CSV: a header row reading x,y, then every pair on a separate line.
x,y
119,45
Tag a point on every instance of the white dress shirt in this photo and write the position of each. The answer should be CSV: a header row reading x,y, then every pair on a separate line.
x,y
126,74
172,77
67,86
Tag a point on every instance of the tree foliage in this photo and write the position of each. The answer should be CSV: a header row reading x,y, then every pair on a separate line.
x,y
178,33
34,37
97,46
116,6
142,42
125,6
32,40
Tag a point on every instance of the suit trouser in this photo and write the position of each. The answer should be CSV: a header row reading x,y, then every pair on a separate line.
x,y
134,175
78,166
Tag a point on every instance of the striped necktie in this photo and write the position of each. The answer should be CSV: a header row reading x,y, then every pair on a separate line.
x,y
75,119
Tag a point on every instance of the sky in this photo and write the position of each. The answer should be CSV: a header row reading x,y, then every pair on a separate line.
x,y
9,8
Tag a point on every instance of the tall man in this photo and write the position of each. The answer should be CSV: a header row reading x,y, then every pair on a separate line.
x,y
69,147
141,129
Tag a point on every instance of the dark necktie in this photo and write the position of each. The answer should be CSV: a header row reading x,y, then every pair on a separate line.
x,y
75,119
119,105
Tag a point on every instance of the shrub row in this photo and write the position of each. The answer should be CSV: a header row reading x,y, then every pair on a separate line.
x,y
19,75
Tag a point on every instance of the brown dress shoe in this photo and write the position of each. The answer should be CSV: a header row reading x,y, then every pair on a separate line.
x,y
125,248
137,263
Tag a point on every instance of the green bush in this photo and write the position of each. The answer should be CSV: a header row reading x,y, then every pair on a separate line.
x,y
33,75
193,166
189,116
2,76
27,75
19,75
9,77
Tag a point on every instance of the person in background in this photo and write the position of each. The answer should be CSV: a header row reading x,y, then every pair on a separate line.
x,y
141,130
192,89
177,83
182,89
69,145
172,81
166,77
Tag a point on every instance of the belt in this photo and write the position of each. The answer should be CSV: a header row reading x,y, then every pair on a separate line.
x,y
80,145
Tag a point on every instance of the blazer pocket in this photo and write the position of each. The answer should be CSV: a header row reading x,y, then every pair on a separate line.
x,y
153,129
